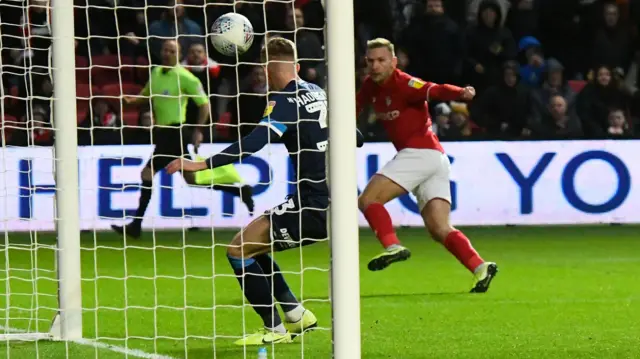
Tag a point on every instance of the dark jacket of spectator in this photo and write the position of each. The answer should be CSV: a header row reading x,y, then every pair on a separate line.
x,y
489,45
596,100
435,46
247,109
561,25
503,109
612,43
558,122
308,46
523,18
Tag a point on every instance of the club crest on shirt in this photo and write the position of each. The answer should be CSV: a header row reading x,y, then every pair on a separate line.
x,y
269,109
416,84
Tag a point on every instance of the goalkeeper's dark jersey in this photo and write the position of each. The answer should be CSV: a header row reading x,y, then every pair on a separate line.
x,y
298,116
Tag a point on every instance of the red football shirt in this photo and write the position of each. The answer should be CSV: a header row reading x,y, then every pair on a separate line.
x,y
401,104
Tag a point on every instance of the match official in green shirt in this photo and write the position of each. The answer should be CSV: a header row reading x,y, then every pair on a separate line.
x,y
169,89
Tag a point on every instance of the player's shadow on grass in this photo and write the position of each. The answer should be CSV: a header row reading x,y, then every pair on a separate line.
x,y
224,349
440,295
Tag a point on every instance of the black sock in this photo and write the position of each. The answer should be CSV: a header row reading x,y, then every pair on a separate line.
x,y
234,190
145,197
256,289
281,290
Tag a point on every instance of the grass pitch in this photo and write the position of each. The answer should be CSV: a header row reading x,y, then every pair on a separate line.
x,y
562,292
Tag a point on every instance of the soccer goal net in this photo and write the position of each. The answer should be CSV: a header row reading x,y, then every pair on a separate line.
x,y
75,145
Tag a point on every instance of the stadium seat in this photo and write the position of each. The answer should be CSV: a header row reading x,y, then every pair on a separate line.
x,y
82,70
121,89
577,85
109,69
142,70
113,92
81,114
223,125
130,118
81,61
84,93
9,124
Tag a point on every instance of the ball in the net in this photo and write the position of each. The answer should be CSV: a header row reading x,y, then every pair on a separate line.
x,y
232,33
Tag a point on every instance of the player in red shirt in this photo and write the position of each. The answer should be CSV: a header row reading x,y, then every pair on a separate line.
x,y
420,166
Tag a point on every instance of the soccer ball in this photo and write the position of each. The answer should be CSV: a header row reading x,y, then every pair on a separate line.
x,y
232,33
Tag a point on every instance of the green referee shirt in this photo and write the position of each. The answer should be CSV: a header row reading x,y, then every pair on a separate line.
x,y
170,90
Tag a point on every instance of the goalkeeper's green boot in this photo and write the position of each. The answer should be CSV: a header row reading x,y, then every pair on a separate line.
x,y
264,336
306,323
383,260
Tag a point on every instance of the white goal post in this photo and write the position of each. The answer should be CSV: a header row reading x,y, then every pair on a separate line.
x,y
67,324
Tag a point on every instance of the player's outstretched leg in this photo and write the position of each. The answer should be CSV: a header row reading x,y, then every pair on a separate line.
x,y
297,319
134,229
436,217
248,244
379,191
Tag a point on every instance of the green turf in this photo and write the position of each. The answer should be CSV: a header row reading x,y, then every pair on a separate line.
x,y
563,292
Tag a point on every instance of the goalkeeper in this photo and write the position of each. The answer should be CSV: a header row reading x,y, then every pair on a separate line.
x,y
296,115
170,88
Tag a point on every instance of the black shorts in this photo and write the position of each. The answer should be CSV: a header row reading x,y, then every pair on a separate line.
x,y
301,220
170,143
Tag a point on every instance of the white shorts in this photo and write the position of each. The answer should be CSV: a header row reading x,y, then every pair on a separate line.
x,y
423,172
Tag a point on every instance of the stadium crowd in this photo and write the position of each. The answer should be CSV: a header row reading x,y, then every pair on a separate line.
x,y
544,69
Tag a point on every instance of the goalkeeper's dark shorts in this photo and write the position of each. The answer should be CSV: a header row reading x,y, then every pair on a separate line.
x,y
299,221
170,143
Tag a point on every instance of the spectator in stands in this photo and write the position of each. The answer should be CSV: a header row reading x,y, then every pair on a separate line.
x,y
632,84
308,46
39,127
435,45
557,122
489,45
561,26
534,64
247,109
595,100
133,28
36,37
440,124
455,123
208,72
474,8
503,109
102,126
523,18
618,124
173,18
373,18
554,84
612,43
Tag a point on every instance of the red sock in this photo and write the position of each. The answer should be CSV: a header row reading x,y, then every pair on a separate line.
x,y
458,244
380,221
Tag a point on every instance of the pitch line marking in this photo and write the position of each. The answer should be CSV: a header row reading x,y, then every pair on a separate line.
x,y
136,353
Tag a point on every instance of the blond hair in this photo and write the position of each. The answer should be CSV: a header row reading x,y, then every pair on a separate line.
x,y
278,48
381,43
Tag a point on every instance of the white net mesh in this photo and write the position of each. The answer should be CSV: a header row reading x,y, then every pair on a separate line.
x,y
170,293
